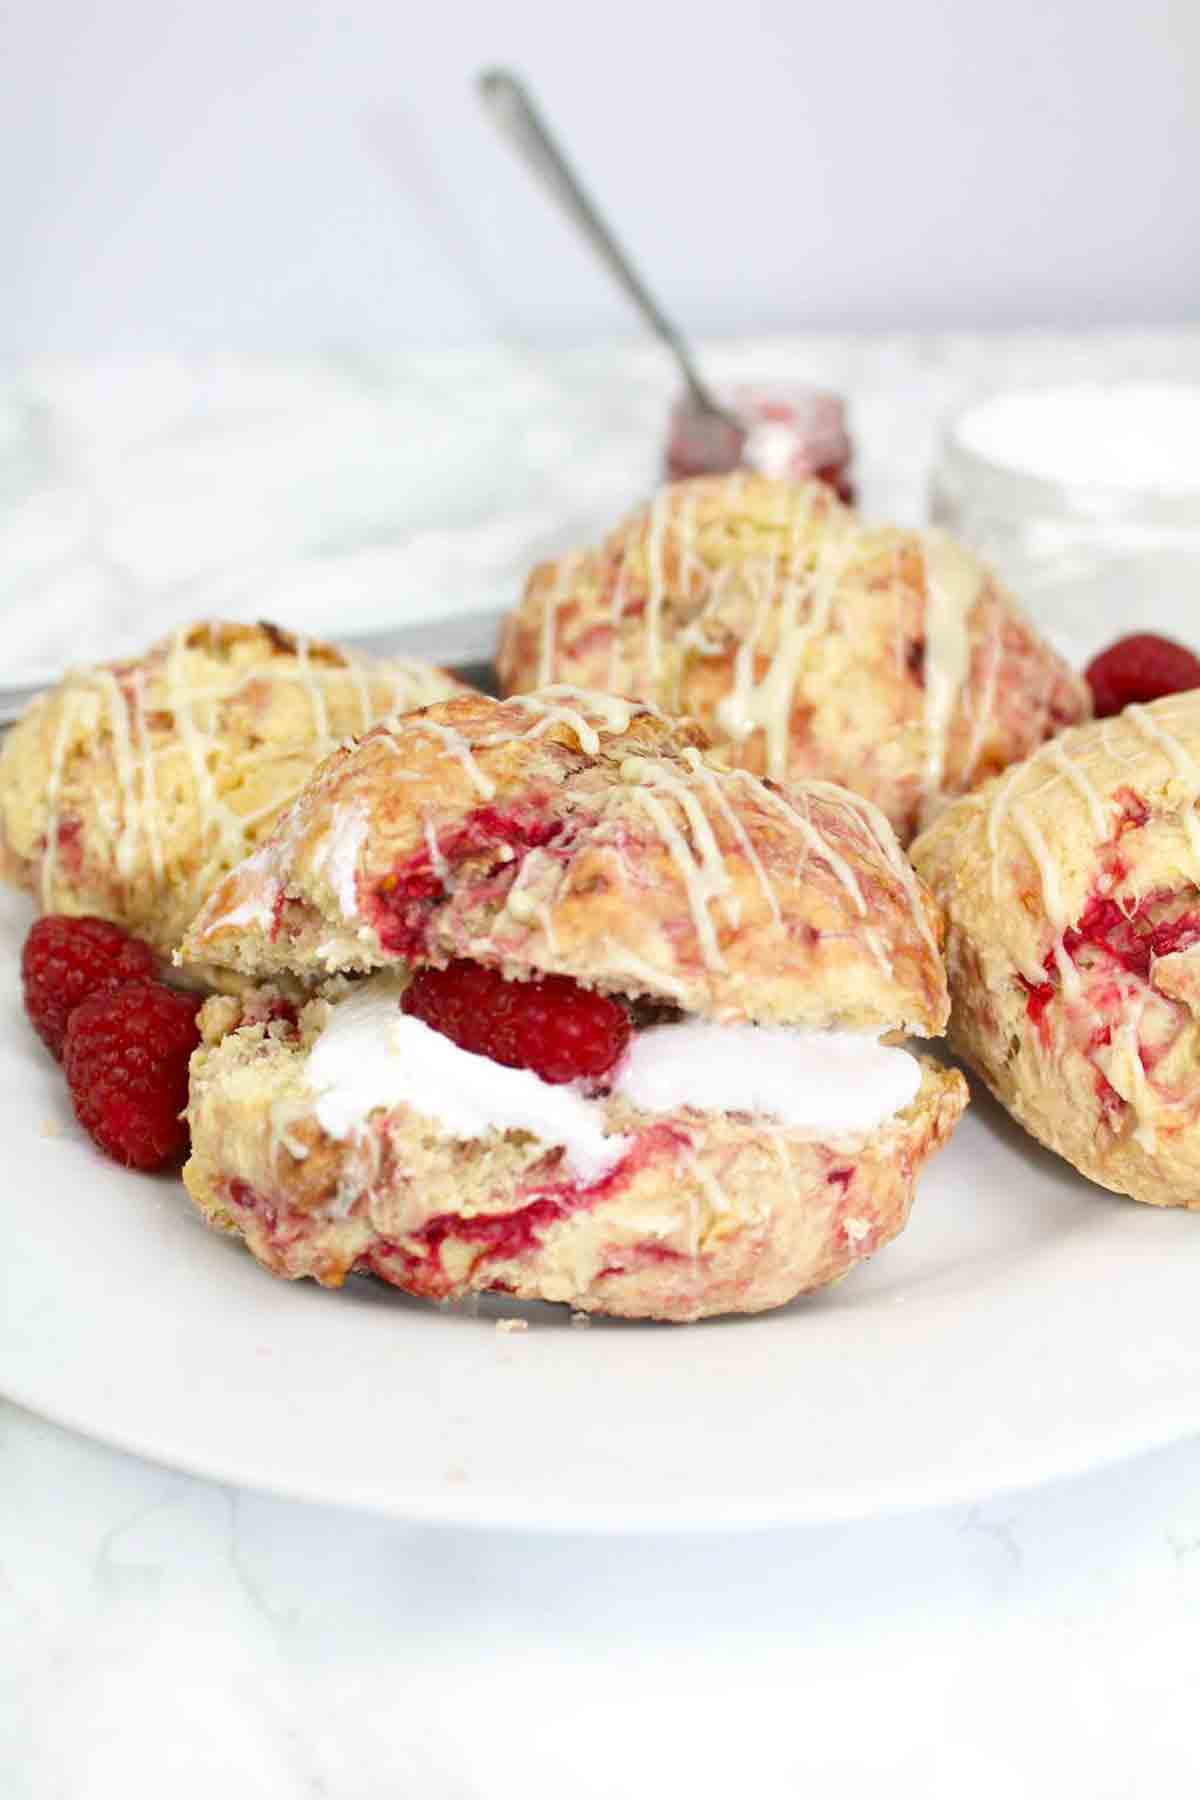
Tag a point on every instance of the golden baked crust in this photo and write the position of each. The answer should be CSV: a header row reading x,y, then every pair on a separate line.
x,y
705,1213
582,835
129,789
807,643
1071,886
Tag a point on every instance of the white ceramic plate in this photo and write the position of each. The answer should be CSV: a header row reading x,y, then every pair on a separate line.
x,y
1027,1325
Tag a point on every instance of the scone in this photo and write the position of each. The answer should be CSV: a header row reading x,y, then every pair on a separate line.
x,y
600,1021
130,788
807,643
1071,886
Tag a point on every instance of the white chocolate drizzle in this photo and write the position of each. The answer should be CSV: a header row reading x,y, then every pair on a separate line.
x,y
953,581
803,609
1030,834
815,840
1182,762
985,709
656,581
456,746
709,779
699,860
1075,775
885,841
554,706
136,823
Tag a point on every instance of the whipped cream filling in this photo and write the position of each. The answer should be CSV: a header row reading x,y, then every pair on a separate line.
x,y
825,1083
370,1055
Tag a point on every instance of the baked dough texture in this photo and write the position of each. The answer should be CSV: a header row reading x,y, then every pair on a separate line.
x,y
1071,886
573,834
128,789
807,643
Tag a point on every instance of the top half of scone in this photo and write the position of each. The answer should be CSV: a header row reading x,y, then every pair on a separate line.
x,y
1089,848
575,834
806,642
128,789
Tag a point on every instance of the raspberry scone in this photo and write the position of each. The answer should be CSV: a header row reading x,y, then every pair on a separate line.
x,y
600,1020
1071,886
129,789
807,643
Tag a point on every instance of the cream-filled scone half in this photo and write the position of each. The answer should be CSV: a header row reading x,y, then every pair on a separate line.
x,y
597,1020
807,643
129,789
1071,886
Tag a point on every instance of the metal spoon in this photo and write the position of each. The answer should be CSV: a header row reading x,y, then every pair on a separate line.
x,y
514,113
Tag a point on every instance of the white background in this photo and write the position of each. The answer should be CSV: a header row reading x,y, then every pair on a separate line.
x,y
270,174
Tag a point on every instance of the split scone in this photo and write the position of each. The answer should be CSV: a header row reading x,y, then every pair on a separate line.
x,y
128,789
1071,886
807,643
600,1020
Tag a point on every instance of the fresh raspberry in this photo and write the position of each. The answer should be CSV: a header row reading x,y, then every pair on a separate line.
x,y
562,1031
1140,668
126,1060
66,960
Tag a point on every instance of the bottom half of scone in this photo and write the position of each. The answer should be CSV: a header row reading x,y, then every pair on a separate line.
x,y
1099,1059
694,1213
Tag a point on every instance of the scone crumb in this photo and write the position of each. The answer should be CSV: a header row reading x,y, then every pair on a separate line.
x,y
508,1326
51,1127
581,1320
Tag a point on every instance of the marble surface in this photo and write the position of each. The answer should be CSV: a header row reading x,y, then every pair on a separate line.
x,y
168,1635
356,490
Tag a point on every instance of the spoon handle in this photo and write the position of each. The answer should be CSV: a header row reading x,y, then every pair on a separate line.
x,y
514,113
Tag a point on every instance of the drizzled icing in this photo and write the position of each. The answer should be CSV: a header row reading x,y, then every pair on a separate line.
x,y
1141,741
875,824
1182,762
697,855
564,574
801,608
953,582
712,787
459,747
657,581
1065,764
554,705
137,826
793,594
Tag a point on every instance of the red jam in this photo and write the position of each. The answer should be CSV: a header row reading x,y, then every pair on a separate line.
x,y
795,435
